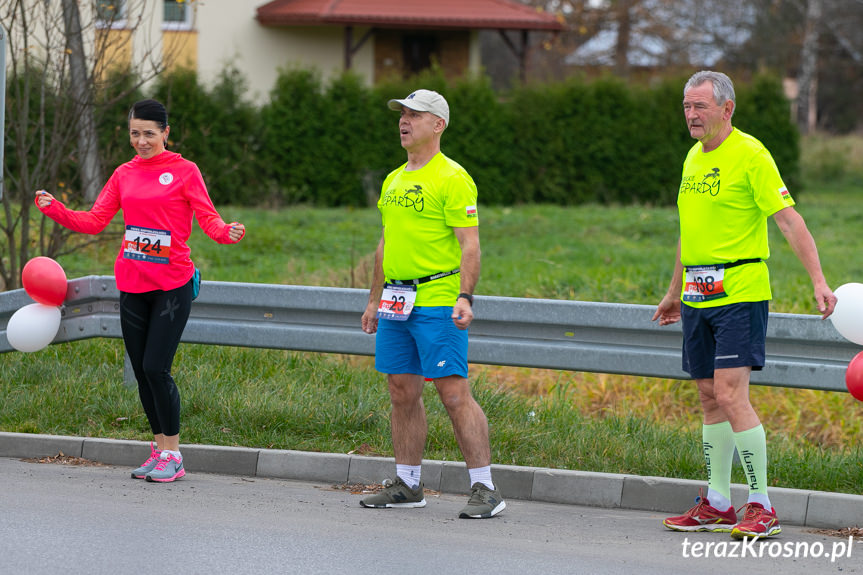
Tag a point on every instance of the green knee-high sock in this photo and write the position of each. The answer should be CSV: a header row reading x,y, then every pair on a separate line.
x,y
752,447
717,440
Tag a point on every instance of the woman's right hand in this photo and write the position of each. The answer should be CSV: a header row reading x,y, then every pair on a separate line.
x,y
43,198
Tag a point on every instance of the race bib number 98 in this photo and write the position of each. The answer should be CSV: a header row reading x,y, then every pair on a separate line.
x,y
147,245
704,283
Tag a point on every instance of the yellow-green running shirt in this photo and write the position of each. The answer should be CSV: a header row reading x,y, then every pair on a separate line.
x,y
419,208
724,200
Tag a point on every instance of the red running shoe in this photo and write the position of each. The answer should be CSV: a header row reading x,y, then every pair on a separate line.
x,y
757,522
703,517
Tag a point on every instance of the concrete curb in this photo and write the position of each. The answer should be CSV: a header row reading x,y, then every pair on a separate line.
x,y
662,494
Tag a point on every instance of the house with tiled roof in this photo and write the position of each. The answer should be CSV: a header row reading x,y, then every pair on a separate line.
x,y
376,39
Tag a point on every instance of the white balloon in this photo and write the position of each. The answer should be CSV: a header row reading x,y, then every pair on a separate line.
x,y
847,316
33,327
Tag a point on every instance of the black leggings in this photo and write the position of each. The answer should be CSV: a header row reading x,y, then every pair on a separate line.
x,y
152,324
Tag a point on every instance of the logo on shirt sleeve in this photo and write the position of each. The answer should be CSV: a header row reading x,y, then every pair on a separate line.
x,y
786,196
470,211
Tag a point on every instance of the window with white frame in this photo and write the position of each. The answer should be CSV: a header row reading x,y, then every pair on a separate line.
x,y
177,15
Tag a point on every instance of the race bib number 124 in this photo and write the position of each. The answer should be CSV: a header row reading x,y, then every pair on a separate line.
x,y
147,245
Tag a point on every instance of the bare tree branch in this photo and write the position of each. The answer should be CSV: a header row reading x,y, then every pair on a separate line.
x,y
61,56
82,95
808,67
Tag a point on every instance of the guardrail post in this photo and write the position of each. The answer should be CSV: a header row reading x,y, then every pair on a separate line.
x,y
128,373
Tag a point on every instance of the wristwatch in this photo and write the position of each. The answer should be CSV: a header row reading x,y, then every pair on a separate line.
x,y
466,296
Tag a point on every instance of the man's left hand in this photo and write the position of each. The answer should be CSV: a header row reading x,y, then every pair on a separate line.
x,y
462,313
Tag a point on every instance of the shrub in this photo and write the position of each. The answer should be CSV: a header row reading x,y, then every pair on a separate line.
x,y
763,112
292,135
218,131
568,143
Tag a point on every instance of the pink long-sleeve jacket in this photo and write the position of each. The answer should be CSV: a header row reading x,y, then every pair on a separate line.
x,y
158,197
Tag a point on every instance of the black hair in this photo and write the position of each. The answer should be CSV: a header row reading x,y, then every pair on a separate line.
x,y
150,110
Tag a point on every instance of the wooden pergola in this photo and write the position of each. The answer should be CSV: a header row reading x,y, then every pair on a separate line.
x,y
501,15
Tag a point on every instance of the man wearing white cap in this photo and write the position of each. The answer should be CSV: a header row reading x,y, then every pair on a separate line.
x,y
420,304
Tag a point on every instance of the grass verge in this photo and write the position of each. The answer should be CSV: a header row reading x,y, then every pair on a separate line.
x,y
330,403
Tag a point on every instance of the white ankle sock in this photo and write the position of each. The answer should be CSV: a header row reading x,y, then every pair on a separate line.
x,y
717,500
410,474
481,475
760,498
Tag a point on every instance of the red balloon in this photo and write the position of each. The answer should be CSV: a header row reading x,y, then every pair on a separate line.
x,y
45,281
854,376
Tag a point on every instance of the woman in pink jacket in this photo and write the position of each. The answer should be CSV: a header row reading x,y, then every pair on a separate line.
x,y
159,192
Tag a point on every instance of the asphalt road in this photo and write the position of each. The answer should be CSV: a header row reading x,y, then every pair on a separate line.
x,y
96,519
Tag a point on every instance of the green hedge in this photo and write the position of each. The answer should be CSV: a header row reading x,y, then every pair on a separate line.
x,y
764,113
600,141
218,130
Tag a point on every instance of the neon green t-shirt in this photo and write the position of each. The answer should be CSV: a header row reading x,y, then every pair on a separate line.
x,y
419,208
724,200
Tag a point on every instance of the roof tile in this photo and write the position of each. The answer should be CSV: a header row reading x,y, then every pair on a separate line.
x,y
457,14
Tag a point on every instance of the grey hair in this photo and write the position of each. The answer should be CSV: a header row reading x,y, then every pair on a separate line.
x,y
723,87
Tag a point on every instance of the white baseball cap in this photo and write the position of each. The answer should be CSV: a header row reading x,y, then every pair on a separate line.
x,y
423,101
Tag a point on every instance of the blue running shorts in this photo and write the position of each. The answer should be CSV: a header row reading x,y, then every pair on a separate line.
x,y
428,343
726,336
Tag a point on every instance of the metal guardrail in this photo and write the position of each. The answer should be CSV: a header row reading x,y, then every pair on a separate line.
x,y
802,350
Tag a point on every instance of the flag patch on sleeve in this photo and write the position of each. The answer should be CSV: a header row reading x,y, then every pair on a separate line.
x,y
783,191
470,211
